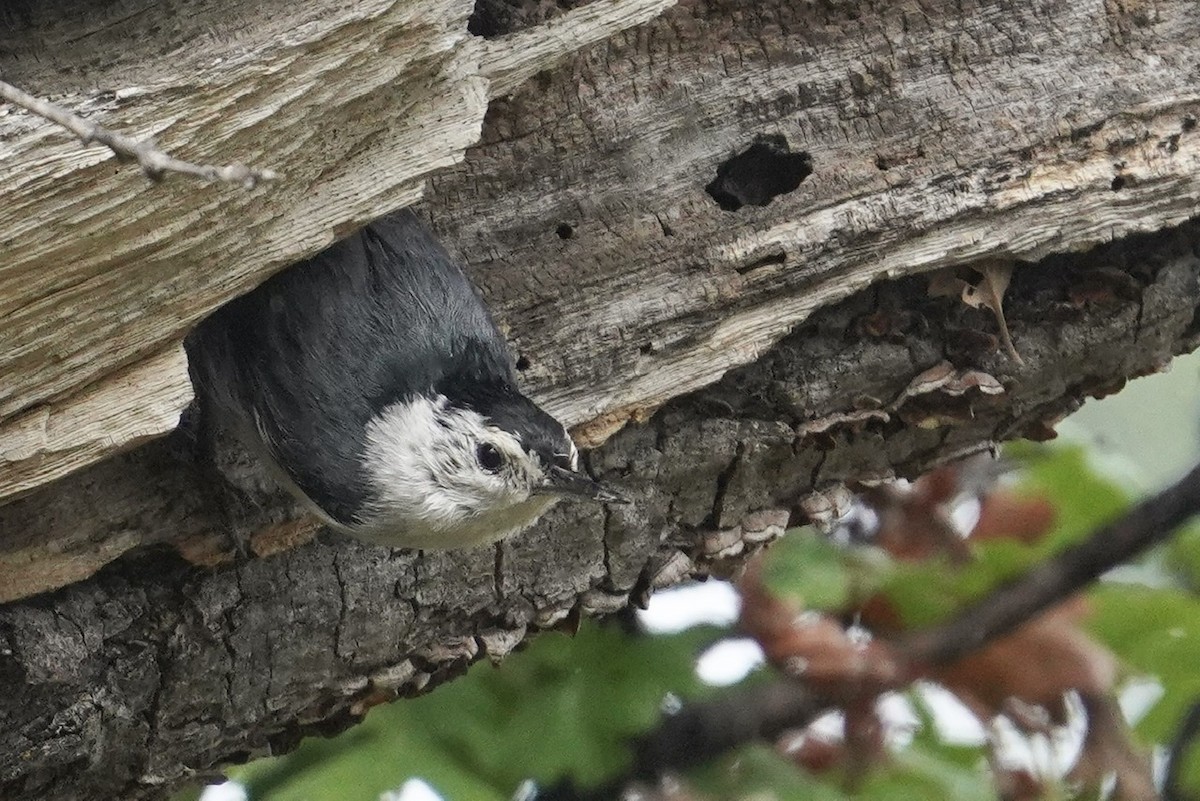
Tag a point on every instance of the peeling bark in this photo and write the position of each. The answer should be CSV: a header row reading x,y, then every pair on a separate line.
x,y
938,133
153,670
726,365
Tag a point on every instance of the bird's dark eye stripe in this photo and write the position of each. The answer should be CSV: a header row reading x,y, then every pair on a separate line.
x,y
489,458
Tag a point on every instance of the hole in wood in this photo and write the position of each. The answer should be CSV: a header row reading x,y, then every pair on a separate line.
x,y
523,362
1119,183
759,174
565,230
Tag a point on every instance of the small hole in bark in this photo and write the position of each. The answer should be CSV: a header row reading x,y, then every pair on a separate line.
x,y
523,362
1189,123
646,349
1118,183
483,23
492,18
565,231
759,174
882,164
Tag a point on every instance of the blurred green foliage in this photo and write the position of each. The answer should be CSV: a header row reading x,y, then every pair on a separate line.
x,y
812,572
561,707
568,707
1084,497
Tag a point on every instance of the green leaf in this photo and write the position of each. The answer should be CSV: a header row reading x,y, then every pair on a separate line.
x,y
925,769
1085,493
561,707
759,773
926,593
1157,633
1183,556
813,572
1188,777
1085,497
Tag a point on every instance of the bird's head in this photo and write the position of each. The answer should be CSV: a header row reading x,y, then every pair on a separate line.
x,y
449,475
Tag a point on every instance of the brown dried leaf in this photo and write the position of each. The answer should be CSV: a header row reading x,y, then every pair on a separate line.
x,y
914,522
989,293
945,283
1007,515
1017,784
1038,663
813,752
813,647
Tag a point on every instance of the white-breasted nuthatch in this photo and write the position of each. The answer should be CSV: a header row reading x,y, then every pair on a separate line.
x,y
373,380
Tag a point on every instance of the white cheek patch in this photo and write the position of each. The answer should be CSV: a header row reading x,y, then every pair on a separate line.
x,y
430,490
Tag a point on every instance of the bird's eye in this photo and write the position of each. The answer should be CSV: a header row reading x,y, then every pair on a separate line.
x,y
489,458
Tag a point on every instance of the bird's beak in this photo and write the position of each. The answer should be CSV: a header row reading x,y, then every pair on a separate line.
x,y
560,481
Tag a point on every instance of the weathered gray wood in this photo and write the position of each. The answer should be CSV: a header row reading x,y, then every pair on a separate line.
x,y
123,684
100,274
939,133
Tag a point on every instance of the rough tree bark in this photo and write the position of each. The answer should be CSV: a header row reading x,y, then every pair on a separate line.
x,y
725,357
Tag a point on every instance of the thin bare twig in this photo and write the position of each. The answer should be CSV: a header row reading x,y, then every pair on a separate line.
x,y
154,162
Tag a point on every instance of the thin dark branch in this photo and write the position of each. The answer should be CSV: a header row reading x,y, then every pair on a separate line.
x,y
695,733
154,162
1059,577
703,731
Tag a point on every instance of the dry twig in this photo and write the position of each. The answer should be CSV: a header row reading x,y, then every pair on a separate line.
x,y
154,162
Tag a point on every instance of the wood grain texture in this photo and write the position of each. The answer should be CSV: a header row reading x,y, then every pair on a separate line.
x,y
126,409
940,133
762,354
129,682
354,104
